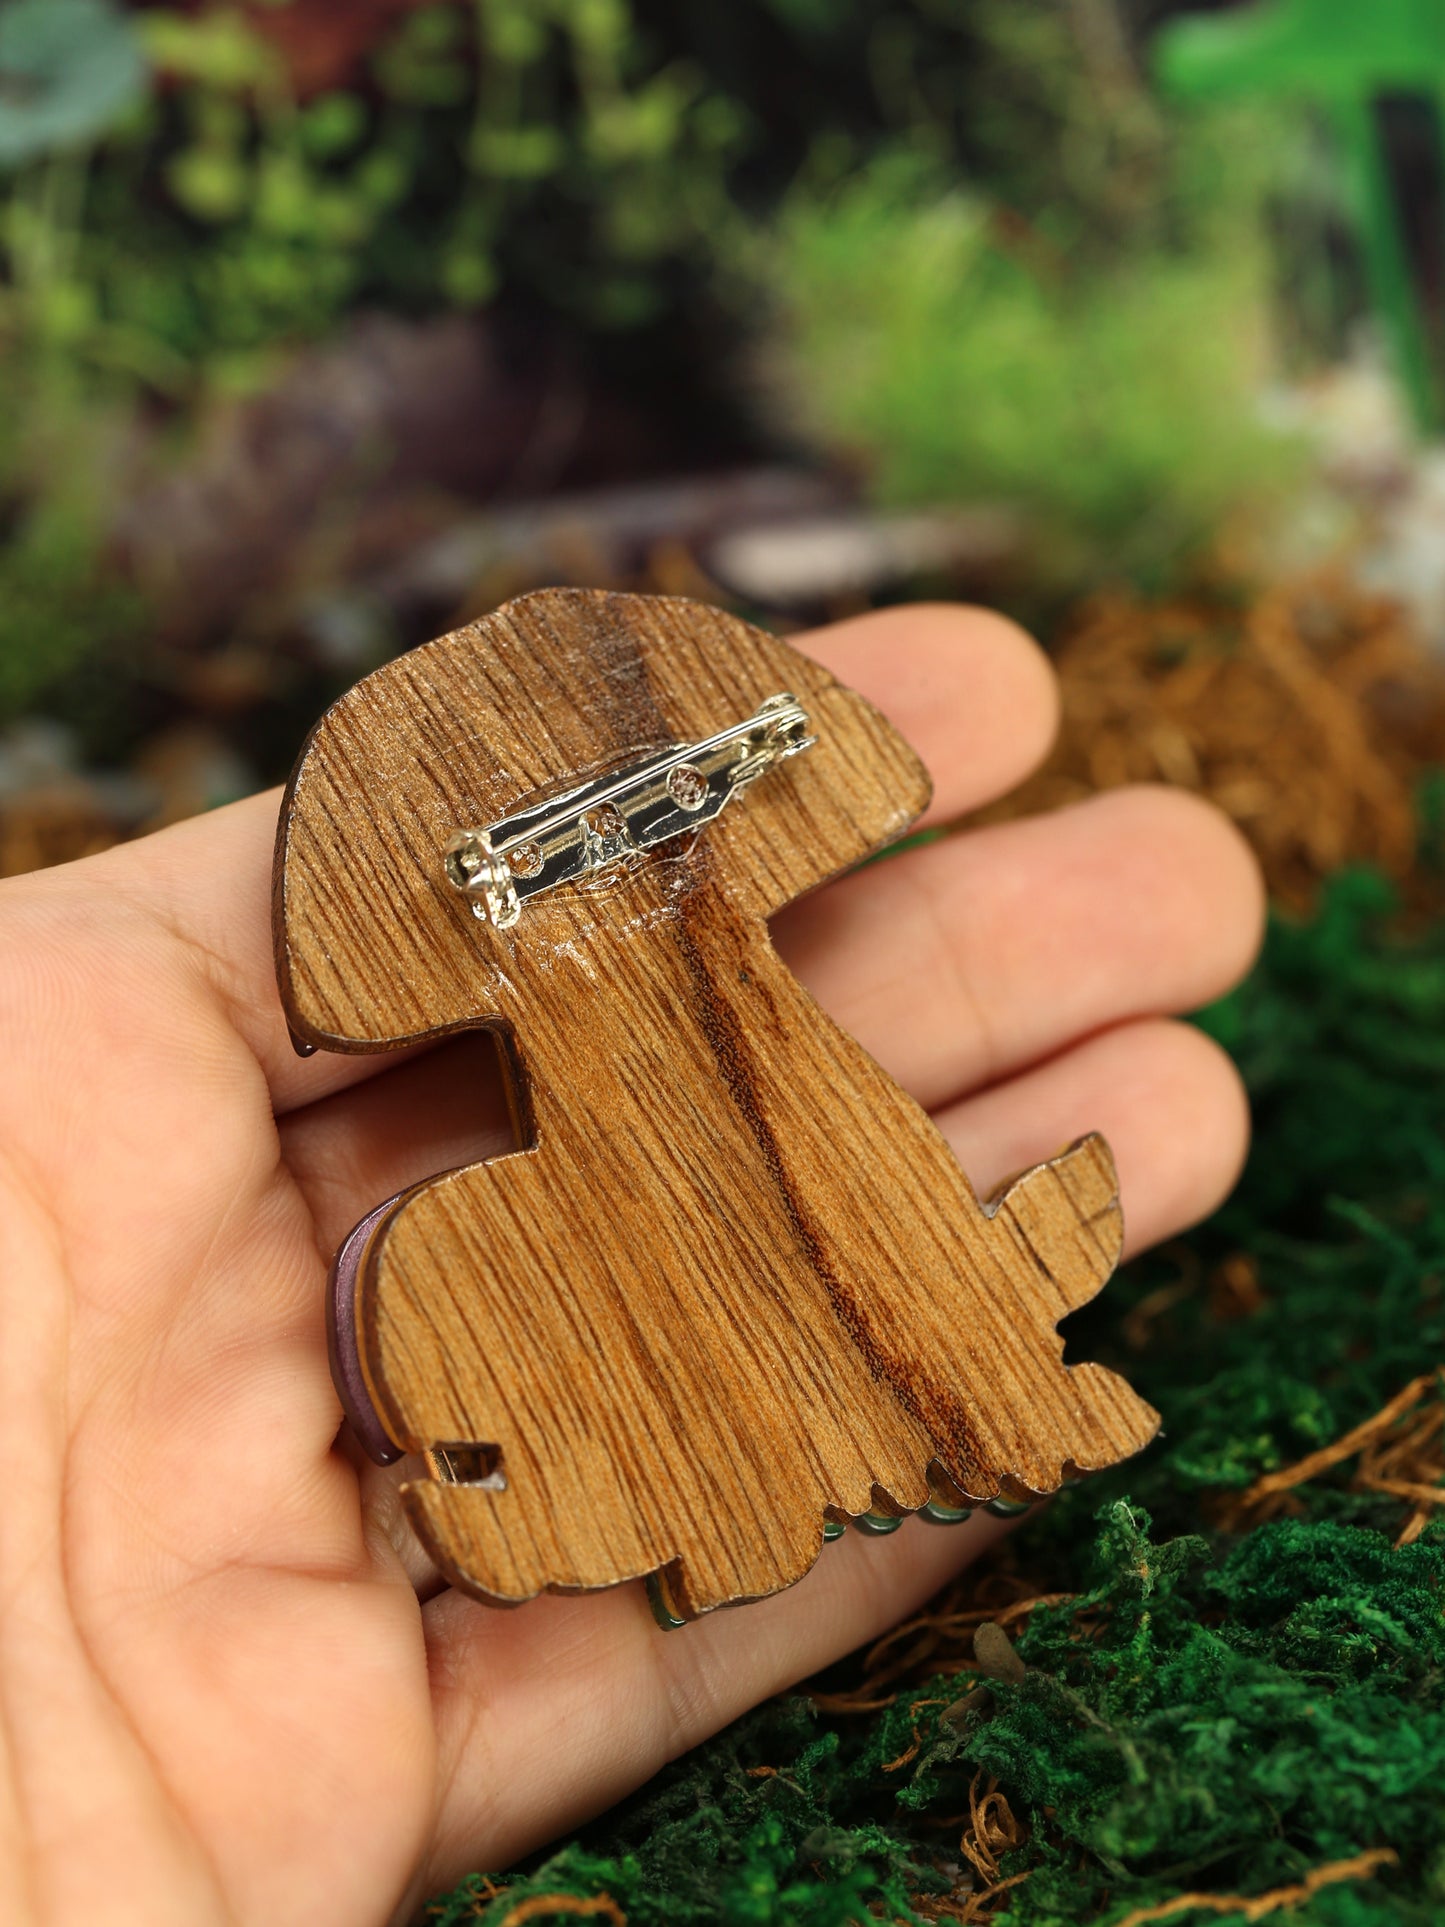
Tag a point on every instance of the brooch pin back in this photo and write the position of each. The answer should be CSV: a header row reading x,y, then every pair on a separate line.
x,y
732,1290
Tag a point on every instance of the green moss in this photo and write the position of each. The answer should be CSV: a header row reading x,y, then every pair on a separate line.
x,y
1232,1722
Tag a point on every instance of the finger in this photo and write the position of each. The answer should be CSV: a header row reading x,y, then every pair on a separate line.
x,y
208,882
443,1108
1169,1101
962,962
971,691
387,1529
968,689
624,1698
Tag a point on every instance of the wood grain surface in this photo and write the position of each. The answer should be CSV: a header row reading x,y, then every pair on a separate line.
x,y
733,1282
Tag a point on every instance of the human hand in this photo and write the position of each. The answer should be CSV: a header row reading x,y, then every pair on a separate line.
x,y
230,1689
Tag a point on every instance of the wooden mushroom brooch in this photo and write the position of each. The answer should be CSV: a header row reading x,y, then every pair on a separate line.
x,y
731,1290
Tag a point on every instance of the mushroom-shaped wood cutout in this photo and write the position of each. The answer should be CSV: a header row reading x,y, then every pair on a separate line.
x,y
732,1285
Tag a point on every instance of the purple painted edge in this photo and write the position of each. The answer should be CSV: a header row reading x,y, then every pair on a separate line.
x,y
341,1344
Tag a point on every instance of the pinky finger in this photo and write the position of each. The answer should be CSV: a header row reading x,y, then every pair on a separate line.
x,y
1168,1100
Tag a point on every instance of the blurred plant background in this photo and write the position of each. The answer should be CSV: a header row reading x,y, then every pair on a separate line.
x,y
325,324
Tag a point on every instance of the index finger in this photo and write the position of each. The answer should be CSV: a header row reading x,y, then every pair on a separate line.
x,y
969,690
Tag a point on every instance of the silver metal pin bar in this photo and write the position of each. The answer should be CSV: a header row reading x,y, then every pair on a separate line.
x,y
613,818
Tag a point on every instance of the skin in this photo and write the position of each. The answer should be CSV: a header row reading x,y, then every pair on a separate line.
x,y
230,1691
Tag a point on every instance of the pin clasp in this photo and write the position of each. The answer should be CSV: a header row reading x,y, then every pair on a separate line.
x,y
610,820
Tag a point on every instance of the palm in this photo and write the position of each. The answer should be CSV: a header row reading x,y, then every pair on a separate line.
x,y
228,1689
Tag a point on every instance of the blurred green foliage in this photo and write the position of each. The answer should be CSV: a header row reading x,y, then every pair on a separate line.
x,y
957,233
56,602
160,243
577,151
495,142
1088,335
